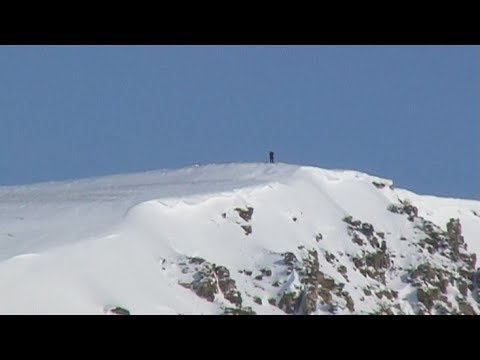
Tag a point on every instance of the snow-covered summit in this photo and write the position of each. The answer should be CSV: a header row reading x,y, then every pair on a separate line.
x,y
236,238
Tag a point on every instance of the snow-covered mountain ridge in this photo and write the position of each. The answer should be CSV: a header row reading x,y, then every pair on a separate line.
x,y
236,238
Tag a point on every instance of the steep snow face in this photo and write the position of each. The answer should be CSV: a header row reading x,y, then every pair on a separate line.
x,y
236,238
45,215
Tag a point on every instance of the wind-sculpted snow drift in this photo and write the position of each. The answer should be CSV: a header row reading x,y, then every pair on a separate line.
x,y
236,239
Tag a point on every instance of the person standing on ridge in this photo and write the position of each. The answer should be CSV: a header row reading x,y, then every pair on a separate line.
x,y
271,157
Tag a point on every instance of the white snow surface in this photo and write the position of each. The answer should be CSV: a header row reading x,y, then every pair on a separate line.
x,y
84,246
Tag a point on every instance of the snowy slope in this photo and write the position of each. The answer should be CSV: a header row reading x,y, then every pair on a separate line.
x,y
236,238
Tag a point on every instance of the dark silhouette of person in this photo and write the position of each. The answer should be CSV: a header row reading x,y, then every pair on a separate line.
x,y
271,156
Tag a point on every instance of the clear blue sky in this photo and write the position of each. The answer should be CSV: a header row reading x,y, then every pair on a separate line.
x,y
409,113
